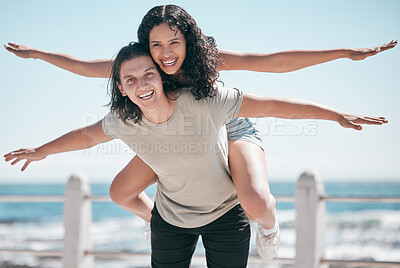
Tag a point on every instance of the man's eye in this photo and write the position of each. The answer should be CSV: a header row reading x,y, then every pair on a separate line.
x,y
149,74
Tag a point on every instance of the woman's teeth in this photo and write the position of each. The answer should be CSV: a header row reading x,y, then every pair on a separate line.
x,y
169,62
146,95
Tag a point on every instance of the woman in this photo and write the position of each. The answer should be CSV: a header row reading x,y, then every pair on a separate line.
x,y
195,194
180,49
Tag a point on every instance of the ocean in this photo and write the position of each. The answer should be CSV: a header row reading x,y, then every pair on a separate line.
x,y
354,231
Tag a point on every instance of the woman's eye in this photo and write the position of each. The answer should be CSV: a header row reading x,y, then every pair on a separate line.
x,y
156,45
130,80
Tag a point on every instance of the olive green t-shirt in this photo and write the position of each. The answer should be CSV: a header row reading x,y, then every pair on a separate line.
x,y
189,154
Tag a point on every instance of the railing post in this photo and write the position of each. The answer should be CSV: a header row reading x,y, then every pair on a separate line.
x,y
77,223
310,222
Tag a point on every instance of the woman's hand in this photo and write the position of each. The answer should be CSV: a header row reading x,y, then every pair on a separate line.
x,y
20,50
362,53
30,155
89,68
355,121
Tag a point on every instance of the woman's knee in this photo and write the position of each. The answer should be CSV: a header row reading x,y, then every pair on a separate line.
x,y
116,194
132,180
119,192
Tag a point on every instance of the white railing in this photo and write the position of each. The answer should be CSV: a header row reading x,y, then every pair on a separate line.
x,y
309,200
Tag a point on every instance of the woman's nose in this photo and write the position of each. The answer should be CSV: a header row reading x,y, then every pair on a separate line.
x,y
166,51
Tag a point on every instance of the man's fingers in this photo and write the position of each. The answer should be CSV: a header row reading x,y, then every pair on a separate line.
x,y
380,119
16,161
9,157
368,121
18,155
350,124
354,125
355,121
25,165
20,151
371,120
357,127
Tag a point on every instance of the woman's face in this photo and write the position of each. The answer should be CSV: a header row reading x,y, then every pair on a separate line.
x,y
168,48
142,83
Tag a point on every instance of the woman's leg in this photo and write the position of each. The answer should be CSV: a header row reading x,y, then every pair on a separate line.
x,y
127,188
249,174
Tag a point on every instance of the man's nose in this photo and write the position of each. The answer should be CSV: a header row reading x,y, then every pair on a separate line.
x,y
142,83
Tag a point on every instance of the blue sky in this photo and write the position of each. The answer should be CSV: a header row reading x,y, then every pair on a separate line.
x,y
40,102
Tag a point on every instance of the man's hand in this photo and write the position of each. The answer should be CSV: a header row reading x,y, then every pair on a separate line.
x,y
355,121
30,155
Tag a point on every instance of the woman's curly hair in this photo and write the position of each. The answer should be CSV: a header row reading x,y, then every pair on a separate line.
x,y
122,105
202,59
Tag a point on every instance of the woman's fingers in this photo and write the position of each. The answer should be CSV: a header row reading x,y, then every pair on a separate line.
x,y
384,47
8,48
362,53
13,45
19,50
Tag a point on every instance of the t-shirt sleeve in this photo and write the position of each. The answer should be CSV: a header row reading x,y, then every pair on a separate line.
x,y
225,105
110,124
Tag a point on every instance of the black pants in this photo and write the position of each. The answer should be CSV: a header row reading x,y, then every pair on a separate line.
x,y
226,241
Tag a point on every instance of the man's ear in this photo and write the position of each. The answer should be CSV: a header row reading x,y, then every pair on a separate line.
x,y
121,90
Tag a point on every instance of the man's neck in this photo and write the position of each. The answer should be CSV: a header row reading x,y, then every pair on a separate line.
x,y
161,113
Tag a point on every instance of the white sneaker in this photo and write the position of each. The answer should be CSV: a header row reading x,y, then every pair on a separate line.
x,y
147,233
267,245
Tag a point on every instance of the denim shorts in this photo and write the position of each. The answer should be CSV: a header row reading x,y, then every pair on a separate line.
x,y
244,129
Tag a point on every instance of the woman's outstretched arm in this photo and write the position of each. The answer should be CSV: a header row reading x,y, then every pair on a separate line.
x,y
260,106
89,68
278,62
78,139
288,61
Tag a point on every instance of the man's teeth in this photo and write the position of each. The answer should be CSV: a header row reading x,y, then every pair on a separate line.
x,y
146,94
169,62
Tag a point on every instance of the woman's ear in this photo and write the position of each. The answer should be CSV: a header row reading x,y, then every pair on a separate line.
x,y
121,90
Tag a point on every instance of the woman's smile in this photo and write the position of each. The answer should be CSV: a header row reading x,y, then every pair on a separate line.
x,y
169,62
